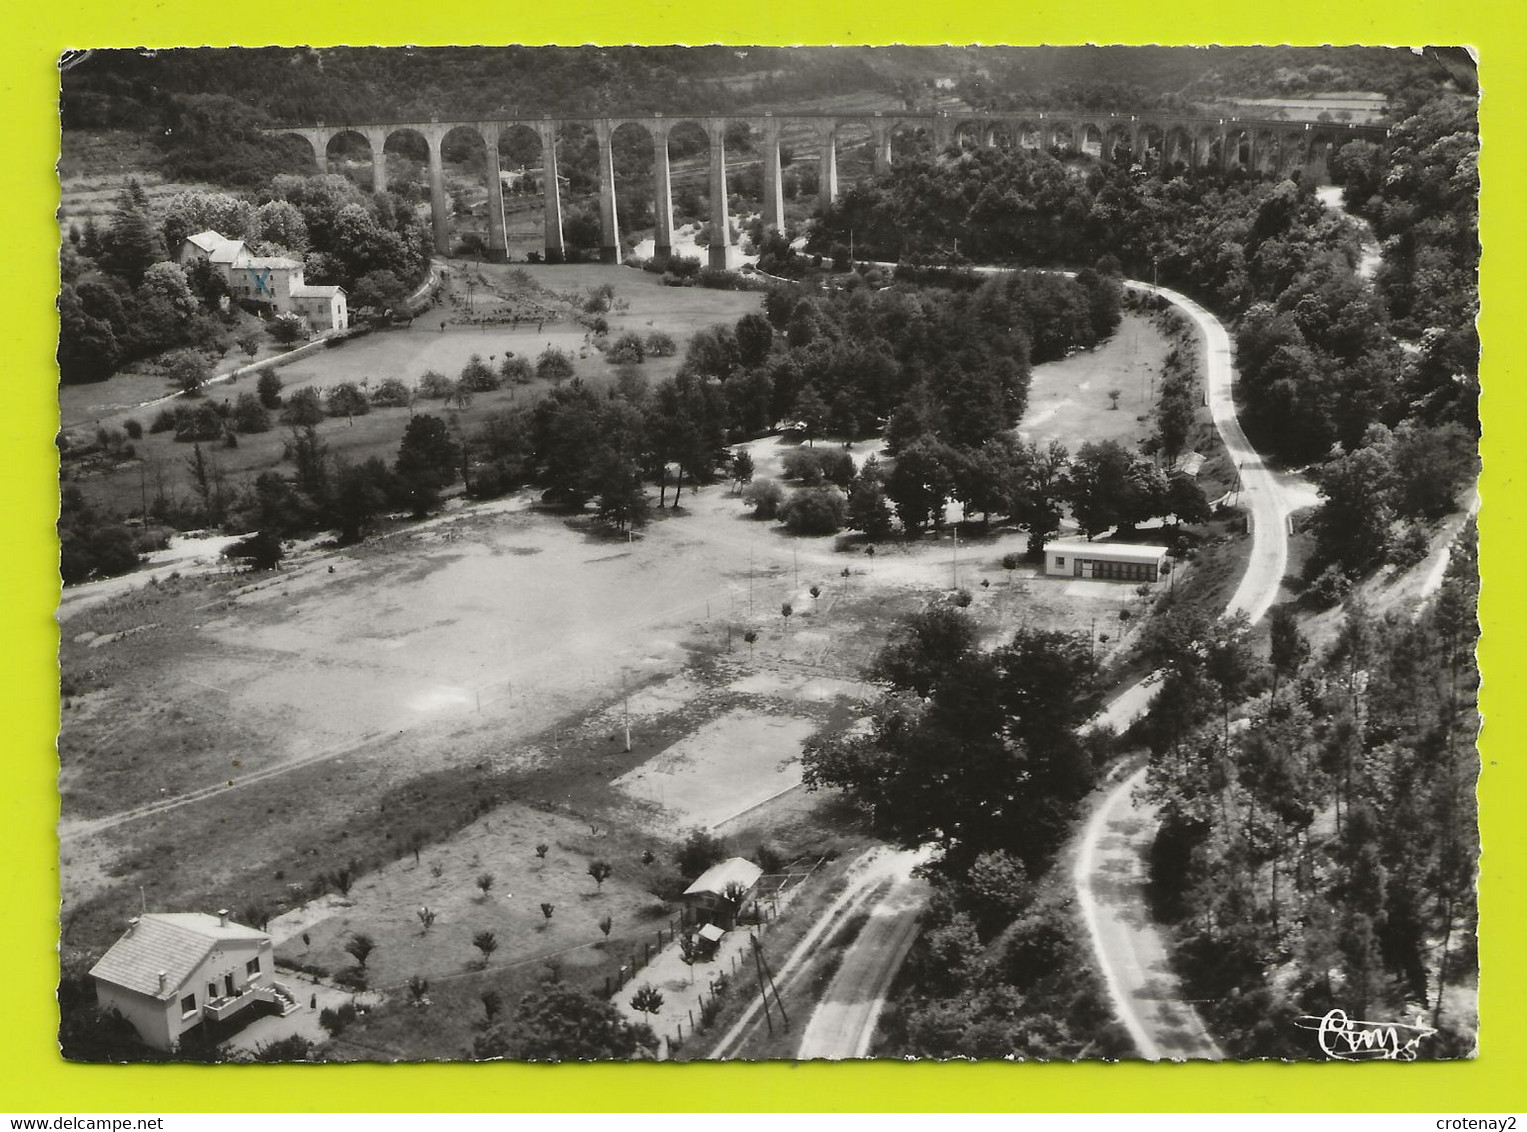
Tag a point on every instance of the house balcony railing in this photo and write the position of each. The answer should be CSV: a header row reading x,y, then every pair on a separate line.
x,y
218,1009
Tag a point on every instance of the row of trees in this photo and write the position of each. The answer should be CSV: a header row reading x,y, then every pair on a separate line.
x,y
1104,486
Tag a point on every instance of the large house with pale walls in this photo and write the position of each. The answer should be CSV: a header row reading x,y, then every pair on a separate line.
x,y
275,281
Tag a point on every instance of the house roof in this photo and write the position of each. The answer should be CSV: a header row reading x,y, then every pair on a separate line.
x,y
207,240
172,942
317,291
279,261
227,251
715,880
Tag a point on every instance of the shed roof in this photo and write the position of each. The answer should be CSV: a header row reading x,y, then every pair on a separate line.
x,y
172,942
1108,551
715,880
710,933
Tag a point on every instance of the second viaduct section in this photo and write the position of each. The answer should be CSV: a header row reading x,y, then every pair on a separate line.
x,y
1165,142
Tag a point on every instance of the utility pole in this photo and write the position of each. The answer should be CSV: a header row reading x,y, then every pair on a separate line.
x,y
625,710
954,564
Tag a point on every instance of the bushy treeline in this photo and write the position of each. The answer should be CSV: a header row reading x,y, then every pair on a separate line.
x,y
1322,854
1423,202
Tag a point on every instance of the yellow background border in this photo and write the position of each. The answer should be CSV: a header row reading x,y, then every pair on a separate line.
x,y
34,1078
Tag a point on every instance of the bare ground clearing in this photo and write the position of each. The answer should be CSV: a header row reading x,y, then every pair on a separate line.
x,y
469,679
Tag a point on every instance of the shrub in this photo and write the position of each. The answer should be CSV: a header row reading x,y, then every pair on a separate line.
x,y
627,349
249,415
391,393
435,386
346,400
815,465
164,421
815,511
303,409
202,423
286,328
479,377
660,344
516,371
764,496
553,365
134,429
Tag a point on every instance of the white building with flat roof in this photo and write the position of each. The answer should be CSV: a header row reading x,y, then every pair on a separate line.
x,y
1121,561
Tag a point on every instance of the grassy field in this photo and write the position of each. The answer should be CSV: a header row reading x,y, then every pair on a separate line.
x,y
407,354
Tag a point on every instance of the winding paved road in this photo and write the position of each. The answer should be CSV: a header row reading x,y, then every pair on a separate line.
x,y
1110,870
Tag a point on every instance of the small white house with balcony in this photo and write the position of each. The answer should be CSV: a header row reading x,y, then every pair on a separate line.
x,y
173,971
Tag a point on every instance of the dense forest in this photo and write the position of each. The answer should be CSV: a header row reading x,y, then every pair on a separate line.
x,y
1319,836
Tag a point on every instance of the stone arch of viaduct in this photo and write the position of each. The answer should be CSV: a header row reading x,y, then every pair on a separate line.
x,y
1165,141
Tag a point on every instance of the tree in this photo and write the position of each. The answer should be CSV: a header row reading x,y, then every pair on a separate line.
x,y
187,371
557,1023
361,946
1185,500
485,882
286,328
427,456
699,852
249,415
989,760
811,411
88,348
765,497
131,245
492,1003
1107,486
554,366
541,850
303,409
754,337
814,511
605,924
347,400
485,942
920,484
1289,649
477,376
648,999
1352,525
268,388
547,910
600,871
742,468
925,647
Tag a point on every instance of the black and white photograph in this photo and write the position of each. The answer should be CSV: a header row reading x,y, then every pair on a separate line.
x,y
768,553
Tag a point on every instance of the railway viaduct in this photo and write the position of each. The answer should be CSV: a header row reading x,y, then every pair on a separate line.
x,y
1164,142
